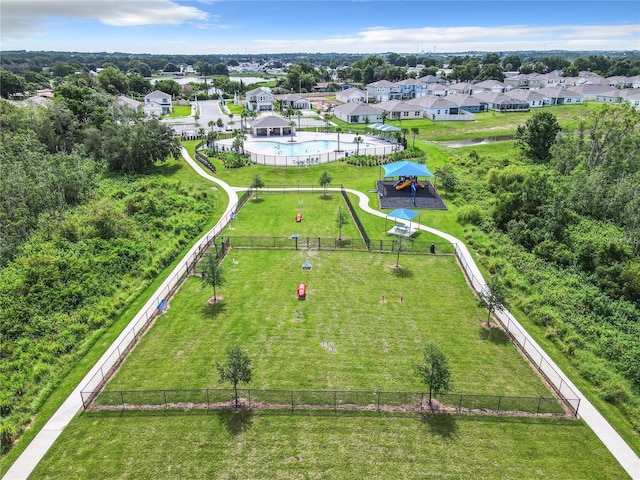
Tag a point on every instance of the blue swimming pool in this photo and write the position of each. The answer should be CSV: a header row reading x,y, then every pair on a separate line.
x,y
297,149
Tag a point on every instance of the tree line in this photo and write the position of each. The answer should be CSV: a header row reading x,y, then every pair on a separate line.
x,y
559,223
84,229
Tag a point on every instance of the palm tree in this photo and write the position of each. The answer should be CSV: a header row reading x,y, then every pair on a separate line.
x,y
357,140
404,133
212,137
201,133
299,115
211,124
238,141
414,131
292,126
338,131
384,116
289,112
243,119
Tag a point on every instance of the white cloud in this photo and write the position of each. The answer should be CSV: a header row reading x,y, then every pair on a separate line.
x,y
457,39
20,18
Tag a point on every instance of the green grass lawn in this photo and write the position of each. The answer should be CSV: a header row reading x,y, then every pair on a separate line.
x,y
376,344
275,444
275,215
180,111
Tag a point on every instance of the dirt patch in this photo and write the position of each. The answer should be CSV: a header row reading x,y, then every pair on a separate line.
x,y
215,300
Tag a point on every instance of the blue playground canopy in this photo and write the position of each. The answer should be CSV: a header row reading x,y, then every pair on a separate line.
x,y
403,214
381,127
407,169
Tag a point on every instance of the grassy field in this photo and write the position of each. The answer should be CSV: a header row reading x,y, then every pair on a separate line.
x,y
275,215
376,343
180,111
268,445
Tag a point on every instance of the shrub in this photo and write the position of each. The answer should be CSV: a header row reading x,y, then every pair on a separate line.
x,y
470,214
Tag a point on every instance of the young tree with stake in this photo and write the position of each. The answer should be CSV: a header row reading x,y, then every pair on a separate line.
x,y
212,273
493,297
237,369
433,370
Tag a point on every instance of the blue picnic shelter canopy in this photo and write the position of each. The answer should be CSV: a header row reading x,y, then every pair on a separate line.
x,y
404,214
407,169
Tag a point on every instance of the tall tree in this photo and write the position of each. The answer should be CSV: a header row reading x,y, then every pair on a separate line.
x,y
113,81
235,370
536,137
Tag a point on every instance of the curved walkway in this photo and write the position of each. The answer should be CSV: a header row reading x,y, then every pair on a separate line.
x,y
37,448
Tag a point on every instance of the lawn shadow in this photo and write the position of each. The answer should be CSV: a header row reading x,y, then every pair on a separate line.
x,y
169,170
212,311
257,200
493,334
442,424
328,196
402,272
235,421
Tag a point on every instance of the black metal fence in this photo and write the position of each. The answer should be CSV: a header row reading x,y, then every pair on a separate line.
x,y
295,243
204,160
321,399
356,219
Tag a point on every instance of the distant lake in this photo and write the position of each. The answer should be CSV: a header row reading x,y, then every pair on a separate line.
x,y
185,80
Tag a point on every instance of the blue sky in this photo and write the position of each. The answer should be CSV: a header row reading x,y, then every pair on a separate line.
x,y
363,26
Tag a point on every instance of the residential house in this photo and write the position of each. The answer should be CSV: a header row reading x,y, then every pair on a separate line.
x,y
518,81
468,103
545,80
357,113
591,91
439,108
490,86
534,98
260,100
632,97
157,103
294,101
460,88
429,79
384,90
351,95
438,90
398,110
412,88
561,96
501,102
131,103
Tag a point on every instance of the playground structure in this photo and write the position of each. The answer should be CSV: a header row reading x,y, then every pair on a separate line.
x,y
399,178
404,182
